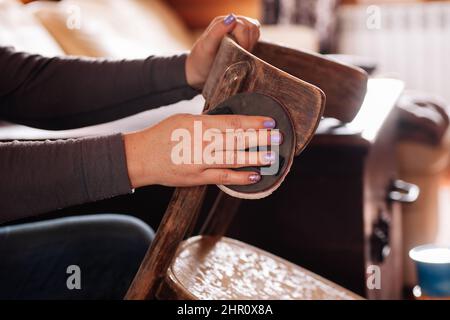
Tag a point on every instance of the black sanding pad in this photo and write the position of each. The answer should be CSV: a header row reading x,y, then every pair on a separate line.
x,y
256,104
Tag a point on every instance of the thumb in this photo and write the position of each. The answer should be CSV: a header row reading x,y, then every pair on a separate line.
x,y
218,29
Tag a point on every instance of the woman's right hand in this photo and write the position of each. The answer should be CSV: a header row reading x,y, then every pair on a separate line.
x,y
149,152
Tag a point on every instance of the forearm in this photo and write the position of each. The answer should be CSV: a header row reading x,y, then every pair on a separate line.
x,y
38,177
62,93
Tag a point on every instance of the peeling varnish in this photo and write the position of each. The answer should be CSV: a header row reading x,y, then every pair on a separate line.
x,y
229,269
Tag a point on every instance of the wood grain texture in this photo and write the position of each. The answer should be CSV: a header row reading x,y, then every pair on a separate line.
x,y
344,86
341,182
226,269
182,209
237,70
234,71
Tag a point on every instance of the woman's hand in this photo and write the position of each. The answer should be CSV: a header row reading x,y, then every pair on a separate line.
x,y
151,153
201,58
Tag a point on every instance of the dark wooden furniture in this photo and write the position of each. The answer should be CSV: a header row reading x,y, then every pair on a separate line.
x,y
338,212
194,269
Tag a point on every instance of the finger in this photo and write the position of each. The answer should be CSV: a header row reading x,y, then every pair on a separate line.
x,y
254,27
253,21
261,138
239,159
242,33
217,29
255,33
245,139
241,139
226,122
229,177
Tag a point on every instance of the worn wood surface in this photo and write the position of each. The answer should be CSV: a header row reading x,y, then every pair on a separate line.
x,y
198,14
182,209
236,70
226,269
344,85
341,182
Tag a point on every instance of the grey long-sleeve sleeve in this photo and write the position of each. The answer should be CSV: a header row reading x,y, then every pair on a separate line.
x,y
62,93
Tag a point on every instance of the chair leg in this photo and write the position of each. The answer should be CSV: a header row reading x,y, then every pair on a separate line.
x,y
182,209
221,215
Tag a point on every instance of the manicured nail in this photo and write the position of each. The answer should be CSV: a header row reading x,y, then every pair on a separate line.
x,y
229,19
276,138
254,177
269,124
269,157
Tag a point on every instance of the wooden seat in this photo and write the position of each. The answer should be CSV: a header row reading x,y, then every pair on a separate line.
x,y
212,268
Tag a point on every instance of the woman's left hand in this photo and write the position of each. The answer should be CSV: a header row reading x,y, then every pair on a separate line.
x,y
200,60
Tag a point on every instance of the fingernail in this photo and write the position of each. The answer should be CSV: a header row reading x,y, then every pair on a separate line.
x,y
229,19
254,178
269,157
276,138
269,124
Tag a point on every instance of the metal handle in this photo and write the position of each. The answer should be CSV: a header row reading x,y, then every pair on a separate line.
x,y
404,192
381,238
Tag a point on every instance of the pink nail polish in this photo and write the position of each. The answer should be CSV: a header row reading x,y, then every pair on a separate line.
x,y
229,19
269,124
269,157
254,177
276,138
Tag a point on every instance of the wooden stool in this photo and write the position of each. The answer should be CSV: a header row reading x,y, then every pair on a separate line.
x,y
211,266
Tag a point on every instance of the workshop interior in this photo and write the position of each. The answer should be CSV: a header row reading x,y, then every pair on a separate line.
x,y
359,206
